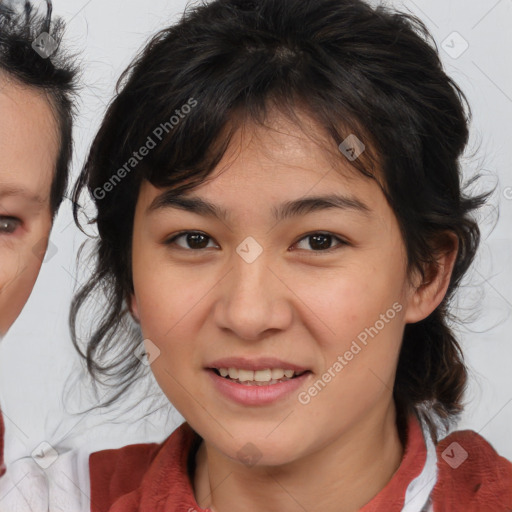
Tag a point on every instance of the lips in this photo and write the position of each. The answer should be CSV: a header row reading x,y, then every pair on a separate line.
x,y
256,381
257,393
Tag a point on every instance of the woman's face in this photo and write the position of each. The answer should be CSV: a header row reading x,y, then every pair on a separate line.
x,y
276,284
28,152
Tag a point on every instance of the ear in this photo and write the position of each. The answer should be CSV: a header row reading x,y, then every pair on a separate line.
x,y
134,308
429,292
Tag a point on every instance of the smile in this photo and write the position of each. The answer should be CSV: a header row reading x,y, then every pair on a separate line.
x,y
258,377
247,390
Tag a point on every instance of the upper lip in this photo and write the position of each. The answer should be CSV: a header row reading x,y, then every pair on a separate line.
x,y
260,363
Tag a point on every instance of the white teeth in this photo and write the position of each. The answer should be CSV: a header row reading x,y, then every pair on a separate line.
x,y
267,375
262,375
277,373
244,375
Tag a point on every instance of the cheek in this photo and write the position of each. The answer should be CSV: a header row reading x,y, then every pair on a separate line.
x,y
17,280
358,361
352,301
21,263
169,307
171,304
361,314
163,299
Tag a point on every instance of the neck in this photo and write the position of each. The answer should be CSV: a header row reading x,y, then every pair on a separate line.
x,y
342,477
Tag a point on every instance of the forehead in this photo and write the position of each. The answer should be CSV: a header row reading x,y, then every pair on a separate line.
x,y
298,142
275,163
28,140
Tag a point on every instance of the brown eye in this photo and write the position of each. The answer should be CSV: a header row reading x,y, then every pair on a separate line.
x,y
321,242
9,225
193,240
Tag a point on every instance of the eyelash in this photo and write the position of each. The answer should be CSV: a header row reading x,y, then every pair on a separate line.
x,y
4,220
341,244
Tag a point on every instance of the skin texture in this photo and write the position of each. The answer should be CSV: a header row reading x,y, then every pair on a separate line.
x,y
28,152
294,303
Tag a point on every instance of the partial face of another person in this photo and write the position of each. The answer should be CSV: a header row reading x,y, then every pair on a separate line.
x,y
28,154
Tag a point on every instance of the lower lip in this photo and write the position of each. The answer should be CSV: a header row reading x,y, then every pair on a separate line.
x,y
254,394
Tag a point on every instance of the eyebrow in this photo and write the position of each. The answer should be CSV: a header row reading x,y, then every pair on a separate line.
x,y
284,211
12,190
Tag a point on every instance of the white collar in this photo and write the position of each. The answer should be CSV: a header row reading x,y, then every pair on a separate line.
x,y
417,495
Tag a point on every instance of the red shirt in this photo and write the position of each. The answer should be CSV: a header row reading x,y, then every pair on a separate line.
x,y
471,476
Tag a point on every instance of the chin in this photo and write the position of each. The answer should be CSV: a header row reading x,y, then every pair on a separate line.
x,y
260,452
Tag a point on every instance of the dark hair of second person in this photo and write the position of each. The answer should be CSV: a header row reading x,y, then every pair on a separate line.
x,y
353,69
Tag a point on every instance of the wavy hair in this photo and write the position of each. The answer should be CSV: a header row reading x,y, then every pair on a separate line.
x,y
356,69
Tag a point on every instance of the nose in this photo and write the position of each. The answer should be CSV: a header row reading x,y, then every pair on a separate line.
x,y
253,300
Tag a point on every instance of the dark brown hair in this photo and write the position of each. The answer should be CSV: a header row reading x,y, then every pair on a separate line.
x,y
372,72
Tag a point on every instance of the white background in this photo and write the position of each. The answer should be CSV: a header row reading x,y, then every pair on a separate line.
x,y
37,358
